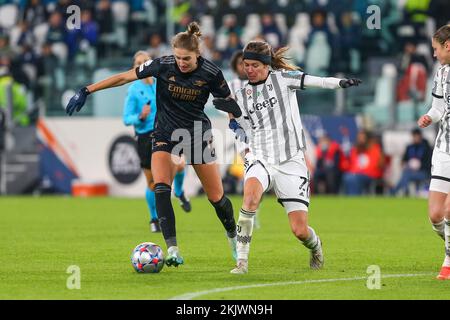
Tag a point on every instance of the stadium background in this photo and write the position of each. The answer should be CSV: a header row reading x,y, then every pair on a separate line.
x,y
42,62
44,152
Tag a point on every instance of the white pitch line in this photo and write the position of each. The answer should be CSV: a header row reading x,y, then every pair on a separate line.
x,y
192,295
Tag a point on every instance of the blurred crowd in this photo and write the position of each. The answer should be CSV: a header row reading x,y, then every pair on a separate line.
x,y
357,169
42,55
362,169
38,51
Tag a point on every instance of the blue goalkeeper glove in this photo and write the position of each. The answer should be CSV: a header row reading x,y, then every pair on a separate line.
x,y
77,101
238,131
228,105
345,83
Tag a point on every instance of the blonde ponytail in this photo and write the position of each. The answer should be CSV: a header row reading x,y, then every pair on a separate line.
x,y
279,60
189,39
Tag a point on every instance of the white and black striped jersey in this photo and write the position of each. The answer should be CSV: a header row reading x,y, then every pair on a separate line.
x,y
235,85
272,111
440,109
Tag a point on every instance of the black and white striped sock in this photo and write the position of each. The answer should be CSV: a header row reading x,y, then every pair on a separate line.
x,y
312,242
244,233
439,228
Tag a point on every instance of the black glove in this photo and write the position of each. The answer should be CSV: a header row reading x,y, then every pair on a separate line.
x,y
77,101
238,131
228,105
345,83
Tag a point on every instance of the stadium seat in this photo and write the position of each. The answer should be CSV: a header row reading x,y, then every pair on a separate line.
x,y
430,27
280,20
405,111
406,31
60,76
148,14
384,97
234,4
207,25
406,108
121,10
423,49
40,34
14,35
8,16
60,50
331,23
86,58
355,61
108,40
297,37
222,34
318,54
252,27
356,18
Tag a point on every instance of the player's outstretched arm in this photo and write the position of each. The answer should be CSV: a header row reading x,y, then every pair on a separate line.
x,y
79,99
329,82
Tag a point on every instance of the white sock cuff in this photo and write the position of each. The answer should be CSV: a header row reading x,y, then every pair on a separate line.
x,y
312,233
439,224
439,228
246,213
312,241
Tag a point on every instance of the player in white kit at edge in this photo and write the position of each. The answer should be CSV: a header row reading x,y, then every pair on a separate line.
x,y
439,196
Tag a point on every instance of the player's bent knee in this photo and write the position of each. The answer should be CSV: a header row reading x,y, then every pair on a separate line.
x,y
300,232
215,197
436,213
251,201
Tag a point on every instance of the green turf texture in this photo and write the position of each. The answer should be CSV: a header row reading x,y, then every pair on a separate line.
x,y
41,237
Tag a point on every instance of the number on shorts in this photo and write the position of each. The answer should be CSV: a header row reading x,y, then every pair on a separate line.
x,y
304,187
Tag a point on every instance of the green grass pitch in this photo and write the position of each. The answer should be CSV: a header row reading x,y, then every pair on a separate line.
x,y
41,237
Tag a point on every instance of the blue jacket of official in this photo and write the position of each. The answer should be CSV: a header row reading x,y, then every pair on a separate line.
x,y
139,94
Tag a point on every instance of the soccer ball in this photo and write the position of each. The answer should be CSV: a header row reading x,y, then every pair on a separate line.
x,y
147,257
